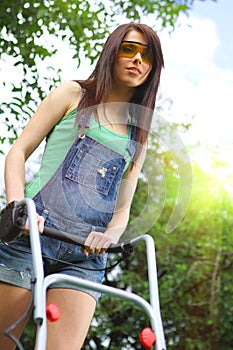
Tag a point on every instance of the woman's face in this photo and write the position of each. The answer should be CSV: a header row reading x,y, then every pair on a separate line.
x,y
132,65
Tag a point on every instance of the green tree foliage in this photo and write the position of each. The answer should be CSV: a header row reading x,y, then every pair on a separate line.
x,y
195,274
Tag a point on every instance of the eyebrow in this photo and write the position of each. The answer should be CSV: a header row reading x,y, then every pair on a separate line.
x,y
134,42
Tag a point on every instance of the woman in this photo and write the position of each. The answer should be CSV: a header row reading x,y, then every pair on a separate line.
x,y
112,138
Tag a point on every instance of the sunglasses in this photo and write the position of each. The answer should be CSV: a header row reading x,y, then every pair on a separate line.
x,y
130,48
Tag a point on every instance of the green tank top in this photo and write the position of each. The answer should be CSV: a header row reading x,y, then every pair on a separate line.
x,y
61,139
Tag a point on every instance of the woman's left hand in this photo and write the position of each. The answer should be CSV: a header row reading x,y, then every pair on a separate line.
x,y
97,243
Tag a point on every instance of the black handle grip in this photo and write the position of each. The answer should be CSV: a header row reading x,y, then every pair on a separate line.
x,y
12,221
125,246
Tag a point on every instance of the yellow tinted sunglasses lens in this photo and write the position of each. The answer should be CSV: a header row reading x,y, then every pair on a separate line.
x,y
130,49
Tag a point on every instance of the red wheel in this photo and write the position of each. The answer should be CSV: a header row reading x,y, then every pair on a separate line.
x,y
52,312
147,338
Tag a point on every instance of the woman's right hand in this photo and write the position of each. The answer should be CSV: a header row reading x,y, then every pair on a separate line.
x,y
40,223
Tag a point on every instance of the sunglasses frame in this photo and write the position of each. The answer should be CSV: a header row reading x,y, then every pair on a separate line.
x,y
141,48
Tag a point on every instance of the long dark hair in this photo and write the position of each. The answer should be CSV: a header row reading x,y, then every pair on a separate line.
x,y
99,84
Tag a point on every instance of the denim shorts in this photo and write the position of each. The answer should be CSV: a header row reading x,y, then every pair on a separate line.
x,y
16,263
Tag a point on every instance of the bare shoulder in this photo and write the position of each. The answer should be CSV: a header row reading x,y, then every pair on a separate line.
x,y
70,90
71,86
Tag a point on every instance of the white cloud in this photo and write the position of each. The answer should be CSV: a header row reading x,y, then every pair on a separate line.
x,y
195,83
193,43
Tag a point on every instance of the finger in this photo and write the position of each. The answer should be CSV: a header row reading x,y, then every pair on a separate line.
x,y
101,247
98,252
96,243
24,232
40,221
85,251
26,227
90,243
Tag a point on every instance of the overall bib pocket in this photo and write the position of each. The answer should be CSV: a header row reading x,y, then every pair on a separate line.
x,y
89,169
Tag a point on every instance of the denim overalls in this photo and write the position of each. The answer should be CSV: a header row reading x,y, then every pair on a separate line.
x,y
81,195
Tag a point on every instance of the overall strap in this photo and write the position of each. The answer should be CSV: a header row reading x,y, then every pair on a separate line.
x,y
131,147
82,118
87,125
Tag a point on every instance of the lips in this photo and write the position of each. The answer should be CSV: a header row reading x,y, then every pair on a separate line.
x,y
134,70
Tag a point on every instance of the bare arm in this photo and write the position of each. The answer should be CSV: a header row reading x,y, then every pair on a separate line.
x,y
98,242
51,110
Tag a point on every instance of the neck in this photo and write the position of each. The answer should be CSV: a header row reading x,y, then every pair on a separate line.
x,y
114,111
120,94
114,116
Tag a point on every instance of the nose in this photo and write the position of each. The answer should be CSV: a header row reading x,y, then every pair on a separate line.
x,y
137,57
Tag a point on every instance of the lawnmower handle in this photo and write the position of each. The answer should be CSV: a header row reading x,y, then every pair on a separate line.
x,y
125,246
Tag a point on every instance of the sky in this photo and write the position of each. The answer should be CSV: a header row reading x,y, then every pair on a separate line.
x,y
198,77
